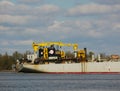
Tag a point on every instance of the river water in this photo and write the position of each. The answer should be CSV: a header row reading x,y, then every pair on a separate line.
x,y
10,81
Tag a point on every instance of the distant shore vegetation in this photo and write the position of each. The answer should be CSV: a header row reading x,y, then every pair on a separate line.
x,y
6,61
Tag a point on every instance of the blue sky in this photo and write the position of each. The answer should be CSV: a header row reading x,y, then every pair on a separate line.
x,y
94,24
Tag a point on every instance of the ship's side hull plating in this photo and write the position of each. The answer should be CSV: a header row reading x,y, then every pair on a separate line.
x,y
88,67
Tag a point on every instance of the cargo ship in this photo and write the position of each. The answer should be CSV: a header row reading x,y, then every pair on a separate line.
x,y
49,57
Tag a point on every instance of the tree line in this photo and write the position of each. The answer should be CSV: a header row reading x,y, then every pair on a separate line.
x,y
6,61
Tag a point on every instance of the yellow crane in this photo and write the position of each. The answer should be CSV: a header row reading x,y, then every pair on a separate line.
x,y
44,44
36,47
45,47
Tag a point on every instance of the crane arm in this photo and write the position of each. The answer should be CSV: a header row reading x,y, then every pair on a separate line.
x,y
43,44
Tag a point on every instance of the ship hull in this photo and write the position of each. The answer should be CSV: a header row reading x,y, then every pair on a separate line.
x,y
72,68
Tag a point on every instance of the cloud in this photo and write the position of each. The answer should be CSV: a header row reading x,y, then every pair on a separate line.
x,y
116,27
22,42
107,1
30,1
4,43
95,34
27,15
14,19
7,7
10,46
93,9
47,9
55,25
6,3
2,28
85,28
16,42
70,28
25,21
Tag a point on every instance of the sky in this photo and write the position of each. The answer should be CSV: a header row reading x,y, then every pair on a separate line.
x,y
94,24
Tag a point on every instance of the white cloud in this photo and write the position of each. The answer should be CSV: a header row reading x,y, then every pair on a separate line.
x,y
30,1
94,33
14,9
47,9
7,7
93,9
22,14
23,21
85,28
22,42
107,1
3,28
6,3
55,25
14,19
116,27
8,31
16,42
33,32
4,43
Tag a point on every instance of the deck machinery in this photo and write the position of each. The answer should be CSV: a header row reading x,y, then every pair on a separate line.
x,y
49,52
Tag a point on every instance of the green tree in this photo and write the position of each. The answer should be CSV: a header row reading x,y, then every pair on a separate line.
x,y
6,61
16,55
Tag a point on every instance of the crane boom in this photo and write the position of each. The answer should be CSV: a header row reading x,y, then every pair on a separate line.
x,y
44,44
